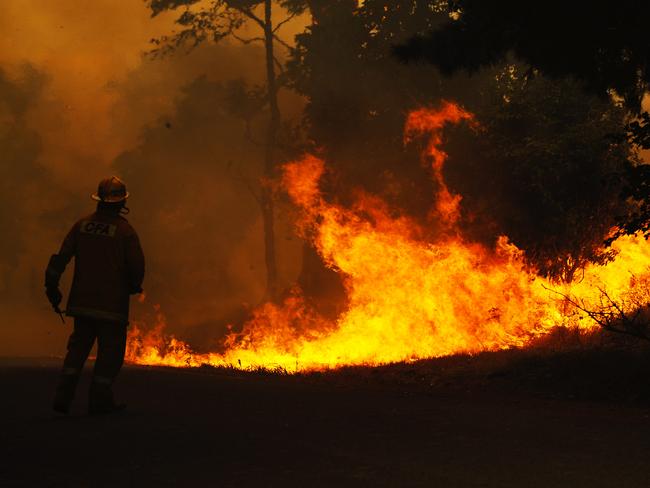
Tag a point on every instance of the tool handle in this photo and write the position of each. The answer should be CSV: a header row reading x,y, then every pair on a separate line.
x,y
60,312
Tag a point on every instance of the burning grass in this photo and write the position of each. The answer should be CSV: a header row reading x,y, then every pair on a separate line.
x,y
409,297
566,364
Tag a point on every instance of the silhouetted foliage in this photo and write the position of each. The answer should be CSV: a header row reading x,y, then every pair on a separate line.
x,y
638,131
543,170
603,45
216,20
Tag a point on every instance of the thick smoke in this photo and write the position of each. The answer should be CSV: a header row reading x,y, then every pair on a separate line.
x,y
92,104
195,180
32,204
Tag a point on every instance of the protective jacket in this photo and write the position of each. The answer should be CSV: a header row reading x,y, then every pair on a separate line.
x,y
109,266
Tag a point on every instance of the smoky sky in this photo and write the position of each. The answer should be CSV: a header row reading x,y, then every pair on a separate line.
x,y
80,100
195,177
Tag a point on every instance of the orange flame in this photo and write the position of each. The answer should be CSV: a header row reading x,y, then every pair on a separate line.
x,y
408,299
431,122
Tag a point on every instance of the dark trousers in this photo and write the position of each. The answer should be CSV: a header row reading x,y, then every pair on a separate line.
x,y
111,345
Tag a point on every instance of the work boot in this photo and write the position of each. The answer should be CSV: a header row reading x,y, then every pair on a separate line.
x,y
100,400
65,393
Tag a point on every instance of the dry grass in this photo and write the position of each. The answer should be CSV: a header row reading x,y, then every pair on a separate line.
x,y
599,366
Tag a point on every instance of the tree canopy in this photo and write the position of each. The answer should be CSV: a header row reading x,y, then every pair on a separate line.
x,y
216,20
602,44
545,169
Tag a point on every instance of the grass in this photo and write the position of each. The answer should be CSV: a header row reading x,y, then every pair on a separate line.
x,y
599,366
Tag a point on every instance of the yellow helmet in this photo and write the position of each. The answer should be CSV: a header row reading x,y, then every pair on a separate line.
x,y
111,190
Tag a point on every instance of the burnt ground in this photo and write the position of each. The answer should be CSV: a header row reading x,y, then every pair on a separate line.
x,y
514,419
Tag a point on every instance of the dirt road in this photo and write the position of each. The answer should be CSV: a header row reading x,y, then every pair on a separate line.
x,y
228,429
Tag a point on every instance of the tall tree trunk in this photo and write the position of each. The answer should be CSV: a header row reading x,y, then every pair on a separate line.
x,y
268,214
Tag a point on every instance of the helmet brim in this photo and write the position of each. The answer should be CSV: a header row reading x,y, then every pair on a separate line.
x,y
97,198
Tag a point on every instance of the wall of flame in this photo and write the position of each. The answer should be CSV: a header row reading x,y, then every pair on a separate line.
x,y
409,298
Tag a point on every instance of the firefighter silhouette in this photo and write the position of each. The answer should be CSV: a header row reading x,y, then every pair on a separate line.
x,y
109,267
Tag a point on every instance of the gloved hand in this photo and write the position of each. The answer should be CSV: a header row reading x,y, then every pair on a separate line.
x,y
54,296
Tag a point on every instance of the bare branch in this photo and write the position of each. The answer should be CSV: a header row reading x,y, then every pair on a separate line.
x,y
214,22
283,42
247,40
611,313
249,13
612,302
288,19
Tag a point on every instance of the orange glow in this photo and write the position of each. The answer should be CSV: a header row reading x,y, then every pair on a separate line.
x,y
430,122
407,298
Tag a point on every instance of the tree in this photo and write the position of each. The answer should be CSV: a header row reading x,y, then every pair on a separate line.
x,y
554,173
602,45
358,95
543,170
216,20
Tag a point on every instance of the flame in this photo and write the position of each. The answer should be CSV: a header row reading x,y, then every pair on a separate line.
x,y
409,298
431,122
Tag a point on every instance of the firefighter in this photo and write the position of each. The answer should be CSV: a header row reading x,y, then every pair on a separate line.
x,y
109,267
